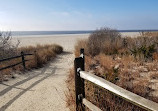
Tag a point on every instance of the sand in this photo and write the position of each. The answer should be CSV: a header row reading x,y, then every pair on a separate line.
x,y
67,41
39,90
130,34
42,89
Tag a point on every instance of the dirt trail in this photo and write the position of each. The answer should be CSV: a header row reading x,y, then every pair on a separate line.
x,y
39,90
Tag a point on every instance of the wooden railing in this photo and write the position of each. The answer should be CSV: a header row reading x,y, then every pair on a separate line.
x,y
81,101
22,56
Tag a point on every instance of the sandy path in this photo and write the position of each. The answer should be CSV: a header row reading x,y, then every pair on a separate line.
x,y
39,90
43,89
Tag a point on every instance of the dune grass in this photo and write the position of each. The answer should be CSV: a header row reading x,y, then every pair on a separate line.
x,y
41,55
131,63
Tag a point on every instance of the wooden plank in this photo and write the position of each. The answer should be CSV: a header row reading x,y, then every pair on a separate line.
x,y
13,65
126,95
28,54
10,66
91,106
10,58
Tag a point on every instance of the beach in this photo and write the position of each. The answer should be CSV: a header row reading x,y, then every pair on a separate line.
x,y
43,89
68,41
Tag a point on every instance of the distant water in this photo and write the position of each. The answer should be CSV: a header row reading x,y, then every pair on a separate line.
x,y
24,33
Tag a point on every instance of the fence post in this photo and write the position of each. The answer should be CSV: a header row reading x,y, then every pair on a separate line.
x,y
82,53
35,58
23,59
79,82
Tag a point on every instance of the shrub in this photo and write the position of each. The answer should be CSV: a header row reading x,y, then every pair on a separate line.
x,y
57,49
101,40
7,49
143,48
110,42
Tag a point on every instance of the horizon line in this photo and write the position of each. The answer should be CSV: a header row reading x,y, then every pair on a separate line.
x,y
81,30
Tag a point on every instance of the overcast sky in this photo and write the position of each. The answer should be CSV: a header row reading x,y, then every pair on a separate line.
x,y
52,15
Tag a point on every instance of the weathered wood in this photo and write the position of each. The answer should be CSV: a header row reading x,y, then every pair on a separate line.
x,y
83,58
6,59
23,59
15,57
79,83
91,106
28,54
126,95
10,66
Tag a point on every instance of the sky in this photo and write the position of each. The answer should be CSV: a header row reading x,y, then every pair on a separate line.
x,y
57,15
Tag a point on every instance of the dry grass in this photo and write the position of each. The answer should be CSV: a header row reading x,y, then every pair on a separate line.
x,y
128,62
70,96
98,96
83,44
149,34
109,42
103,40
41,55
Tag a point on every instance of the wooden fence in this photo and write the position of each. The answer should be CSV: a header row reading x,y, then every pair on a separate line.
x,y
22,56
81,101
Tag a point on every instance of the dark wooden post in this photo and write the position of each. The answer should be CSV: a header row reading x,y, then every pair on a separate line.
x,y
23,59
82,52
35,58
79,82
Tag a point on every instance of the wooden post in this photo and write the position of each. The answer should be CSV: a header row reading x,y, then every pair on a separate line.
x,y
82,52
23,59
35,58
79,83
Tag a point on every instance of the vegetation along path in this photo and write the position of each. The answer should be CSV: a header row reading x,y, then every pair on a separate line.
x,y
39,90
